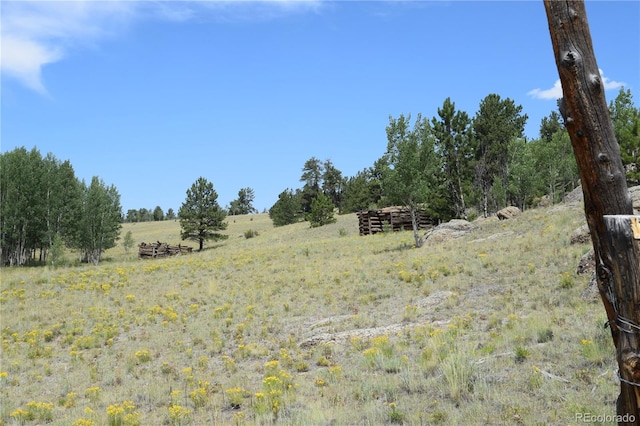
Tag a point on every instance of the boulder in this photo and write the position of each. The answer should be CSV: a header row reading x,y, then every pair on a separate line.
x,y
453,229
591,292
634,193
509,213
580,235
587,263
574,196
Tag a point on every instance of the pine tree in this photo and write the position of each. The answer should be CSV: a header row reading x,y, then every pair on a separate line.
x,y
158,214
244,203
496,124
322,211
201,217
452,135
288,208
312,173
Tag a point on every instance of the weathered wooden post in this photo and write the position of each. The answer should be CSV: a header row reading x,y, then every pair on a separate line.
x,y
615,233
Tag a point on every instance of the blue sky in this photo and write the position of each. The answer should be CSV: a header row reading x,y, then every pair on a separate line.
x,y
150,95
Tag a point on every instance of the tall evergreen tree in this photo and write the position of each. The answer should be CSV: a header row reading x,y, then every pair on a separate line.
x,y
201,217
364,190
356,193
332,183
551,125
158,214
312,172
496,124
244,203
452,137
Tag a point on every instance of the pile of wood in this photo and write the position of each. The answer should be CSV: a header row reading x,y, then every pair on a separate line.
x,y
394,218
159,249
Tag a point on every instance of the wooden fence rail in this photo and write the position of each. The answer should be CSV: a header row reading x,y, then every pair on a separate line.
x,y
155,250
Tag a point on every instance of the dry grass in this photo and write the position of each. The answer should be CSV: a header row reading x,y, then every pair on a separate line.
x,y
312,326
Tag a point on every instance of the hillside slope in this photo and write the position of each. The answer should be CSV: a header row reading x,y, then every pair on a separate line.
x,y
313,326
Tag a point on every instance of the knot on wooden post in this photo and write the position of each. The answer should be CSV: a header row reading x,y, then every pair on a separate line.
x,y
630,368
603,158
570,59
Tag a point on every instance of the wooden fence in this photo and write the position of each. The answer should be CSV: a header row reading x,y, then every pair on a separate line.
x,y
154,250
394,218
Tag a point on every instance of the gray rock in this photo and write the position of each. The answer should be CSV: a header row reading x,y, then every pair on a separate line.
x,y
508,213
591,292
580,235
453,229
634,193
587,263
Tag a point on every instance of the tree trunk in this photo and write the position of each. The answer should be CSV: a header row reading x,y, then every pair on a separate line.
x,y
416,226
586,116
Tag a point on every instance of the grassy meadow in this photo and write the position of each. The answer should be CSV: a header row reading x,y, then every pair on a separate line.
x,y
300,326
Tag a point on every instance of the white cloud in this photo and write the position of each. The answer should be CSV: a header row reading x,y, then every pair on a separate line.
x,y
555,92
23,60
37,33
610,84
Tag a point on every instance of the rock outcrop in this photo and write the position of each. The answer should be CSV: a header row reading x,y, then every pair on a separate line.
x,y
453,229
509,213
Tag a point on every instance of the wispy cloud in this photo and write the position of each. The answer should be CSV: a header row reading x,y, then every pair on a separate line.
x,y
37,33
555,92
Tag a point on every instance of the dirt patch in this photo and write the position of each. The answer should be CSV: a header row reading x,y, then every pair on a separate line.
x,y
428,304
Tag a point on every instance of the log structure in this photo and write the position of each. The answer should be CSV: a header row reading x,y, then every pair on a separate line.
x,y
158,249
608,207
394,218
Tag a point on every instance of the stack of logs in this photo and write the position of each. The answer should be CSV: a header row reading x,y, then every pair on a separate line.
x,y
159,249
395,218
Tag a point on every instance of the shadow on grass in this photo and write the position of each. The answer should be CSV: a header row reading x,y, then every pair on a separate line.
x,y
401,247
213,247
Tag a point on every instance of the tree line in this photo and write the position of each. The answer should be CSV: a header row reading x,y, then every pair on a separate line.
x,y
44,207
149,215
454,165
242,205
449,166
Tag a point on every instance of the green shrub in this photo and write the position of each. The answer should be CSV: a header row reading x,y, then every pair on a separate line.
x,y
250,233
